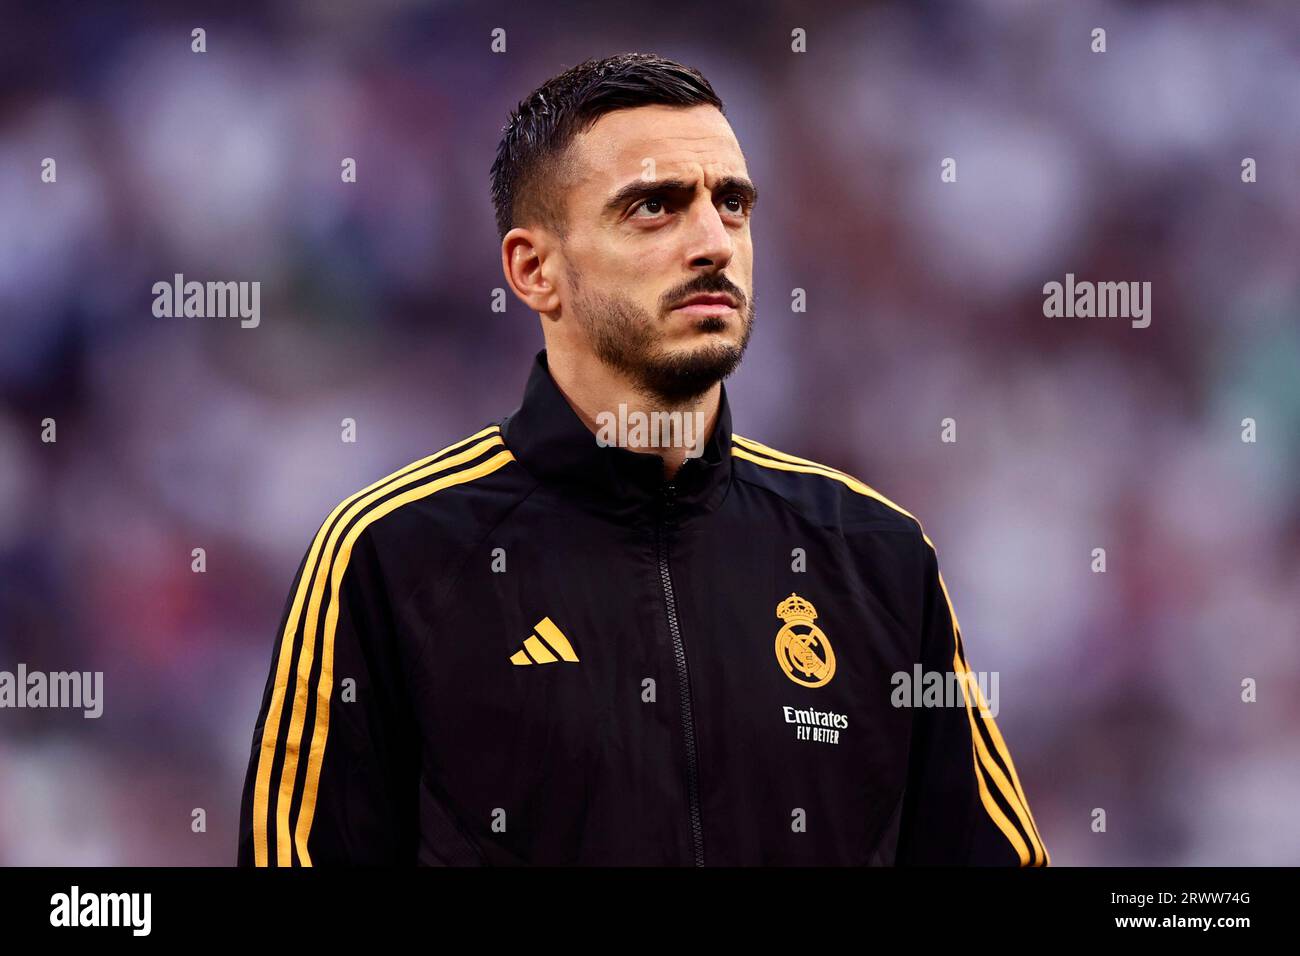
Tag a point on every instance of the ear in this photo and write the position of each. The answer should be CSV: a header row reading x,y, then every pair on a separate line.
x,y
525,260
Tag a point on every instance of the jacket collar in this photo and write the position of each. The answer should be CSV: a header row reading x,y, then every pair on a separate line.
x,y
548,438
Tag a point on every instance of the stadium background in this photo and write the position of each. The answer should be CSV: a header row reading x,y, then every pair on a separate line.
x,y
1118,691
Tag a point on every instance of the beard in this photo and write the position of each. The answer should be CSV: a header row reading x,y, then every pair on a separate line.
x,y
625,337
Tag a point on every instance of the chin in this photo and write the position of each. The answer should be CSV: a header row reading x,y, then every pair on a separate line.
x,y
695,359
701,347
713,324
707,334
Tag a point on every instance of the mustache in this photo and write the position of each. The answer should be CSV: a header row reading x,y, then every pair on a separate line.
x,y
704,285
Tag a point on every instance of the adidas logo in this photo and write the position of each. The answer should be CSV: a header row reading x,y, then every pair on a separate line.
x,y
536,652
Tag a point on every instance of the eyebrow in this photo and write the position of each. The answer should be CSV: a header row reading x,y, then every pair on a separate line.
x,y
643,189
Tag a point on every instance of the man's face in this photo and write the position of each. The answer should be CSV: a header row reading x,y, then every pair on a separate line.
x,y
659,213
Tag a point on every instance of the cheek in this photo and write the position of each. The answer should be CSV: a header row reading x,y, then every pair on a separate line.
x,y
741,272
634,271
745,255
645,280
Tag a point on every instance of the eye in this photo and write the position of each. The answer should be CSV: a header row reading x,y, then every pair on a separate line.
x,y
646,203
741,201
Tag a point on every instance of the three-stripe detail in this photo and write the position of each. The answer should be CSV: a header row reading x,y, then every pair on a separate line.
x,y
551,648
319,585
990,757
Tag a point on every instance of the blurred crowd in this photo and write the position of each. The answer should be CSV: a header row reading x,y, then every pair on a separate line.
x,y
1120,691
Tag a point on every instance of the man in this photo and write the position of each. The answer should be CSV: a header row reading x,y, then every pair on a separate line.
x,y
607,630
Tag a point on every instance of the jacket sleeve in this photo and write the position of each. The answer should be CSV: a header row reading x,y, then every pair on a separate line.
x,y
964,804
333,770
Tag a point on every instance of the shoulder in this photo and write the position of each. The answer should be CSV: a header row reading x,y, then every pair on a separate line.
x,y
452,490
820,492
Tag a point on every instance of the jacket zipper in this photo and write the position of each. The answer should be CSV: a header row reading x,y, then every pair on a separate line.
x,y
683,679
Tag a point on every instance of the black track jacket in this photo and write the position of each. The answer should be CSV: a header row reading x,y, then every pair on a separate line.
x,y
529,648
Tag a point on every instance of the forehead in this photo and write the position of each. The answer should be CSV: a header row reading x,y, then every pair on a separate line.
x,y
680,140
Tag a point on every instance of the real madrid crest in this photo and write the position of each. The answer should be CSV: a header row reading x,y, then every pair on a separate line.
x,y
802,649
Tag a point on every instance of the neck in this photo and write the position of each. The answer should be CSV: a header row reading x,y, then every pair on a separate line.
x,y
605,400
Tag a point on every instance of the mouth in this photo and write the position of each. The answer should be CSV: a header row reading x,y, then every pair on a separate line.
x,y
707,304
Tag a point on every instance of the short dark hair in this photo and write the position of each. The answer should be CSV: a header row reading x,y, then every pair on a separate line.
x,y
532,165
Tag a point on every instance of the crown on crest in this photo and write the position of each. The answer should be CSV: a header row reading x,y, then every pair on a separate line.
x,y
795,608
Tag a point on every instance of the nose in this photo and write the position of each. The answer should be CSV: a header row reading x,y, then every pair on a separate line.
x,y
709,243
